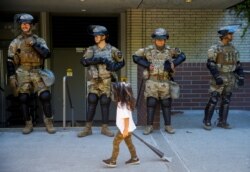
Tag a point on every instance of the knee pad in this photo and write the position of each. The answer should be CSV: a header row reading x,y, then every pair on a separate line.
x,y
23,98
226,98
45,96
214,98
92,98
166,102
151,102
104,100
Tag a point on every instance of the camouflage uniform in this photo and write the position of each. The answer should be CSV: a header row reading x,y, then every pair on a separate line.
x,y
227,73
26,55
159,80
226,58
102,63
28,62
99,77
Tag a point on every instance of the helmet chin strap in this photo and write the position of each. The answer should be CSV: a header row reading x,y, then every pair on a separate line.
x,y
160,47
27,33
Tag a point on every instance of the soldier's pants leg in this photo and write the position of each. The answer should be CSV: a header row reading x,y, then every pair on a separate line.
x,y
24,100
105,104
224,108
151,106
92,103
166,110
209,109
45,98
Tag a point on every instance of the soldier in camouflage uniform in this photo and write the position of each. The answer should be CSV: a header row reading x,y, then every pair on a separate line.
x,y
102,61
26,55
227,72
160,61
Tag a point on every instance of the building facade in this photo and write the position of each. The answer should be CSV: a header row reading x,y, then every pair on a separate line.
x,y
193,31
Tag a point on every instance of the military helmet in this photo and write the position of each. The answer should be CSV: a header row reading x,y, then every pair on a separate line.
x,y
160,33
47,76
223,31
97,30
24,18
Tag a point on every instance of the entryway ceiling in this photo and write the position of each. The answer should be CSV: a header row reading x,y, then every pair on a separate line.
x,y
108,6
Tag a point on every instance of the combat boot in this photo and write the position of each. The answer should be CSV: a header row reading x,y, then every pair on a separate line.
x,y
86,131
148,129
105,131
207,125
28,127
209,110
223,114
49,125
224,125
169,129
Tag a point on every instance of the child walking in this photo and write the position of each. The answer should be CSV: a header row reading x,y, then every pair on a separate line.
x,y
123,95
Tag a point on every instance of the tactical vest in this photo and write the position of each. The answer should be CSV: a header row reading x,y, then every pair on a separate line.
x,y
158,58
227,57
27,55
104,53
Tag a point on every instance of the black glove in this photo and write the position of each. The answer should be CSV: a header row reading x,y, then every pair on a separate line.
x,y
167,66
105,61
119,54
98,60
84,62
219,80
91,61
241,82
115,66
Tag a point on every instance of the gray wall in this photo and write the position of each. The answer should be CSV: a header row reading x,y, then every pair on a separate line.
x,y
61,60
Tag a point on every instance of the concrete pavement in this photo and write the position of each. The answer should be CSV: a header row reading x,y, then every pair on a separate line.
x,y
192,148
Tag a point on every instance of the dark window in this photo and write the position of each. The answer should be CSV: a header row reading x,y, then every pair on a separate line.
x,y
72,31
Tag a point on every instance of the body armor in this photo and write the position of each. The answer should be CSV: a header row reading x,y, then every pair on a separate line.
x,y
225,58
24,54
156,58
28,56
99,70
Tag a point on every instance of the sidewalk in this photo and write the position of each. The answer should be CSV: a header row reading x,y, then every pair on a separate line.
x,y
191,148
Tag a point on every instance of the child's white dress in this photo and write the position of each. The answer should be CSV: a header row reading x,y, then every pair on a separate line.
x,y
121,113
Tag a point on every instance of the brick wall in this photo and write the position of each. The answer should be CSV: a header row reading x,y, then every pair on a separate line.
x,y
194,81
193,31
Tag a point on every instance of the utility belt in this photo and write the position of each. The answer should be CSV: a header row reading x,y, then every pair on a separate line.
x,y
30,67
99,79
226,68
159,77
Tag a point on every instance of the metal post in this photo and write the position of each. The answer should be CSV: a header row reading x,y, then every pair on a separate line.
x,y
66,91
72,117
64,101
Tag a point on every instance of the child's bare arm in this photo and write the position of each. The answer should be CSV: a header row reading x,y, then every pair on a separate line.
x,y
126,124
